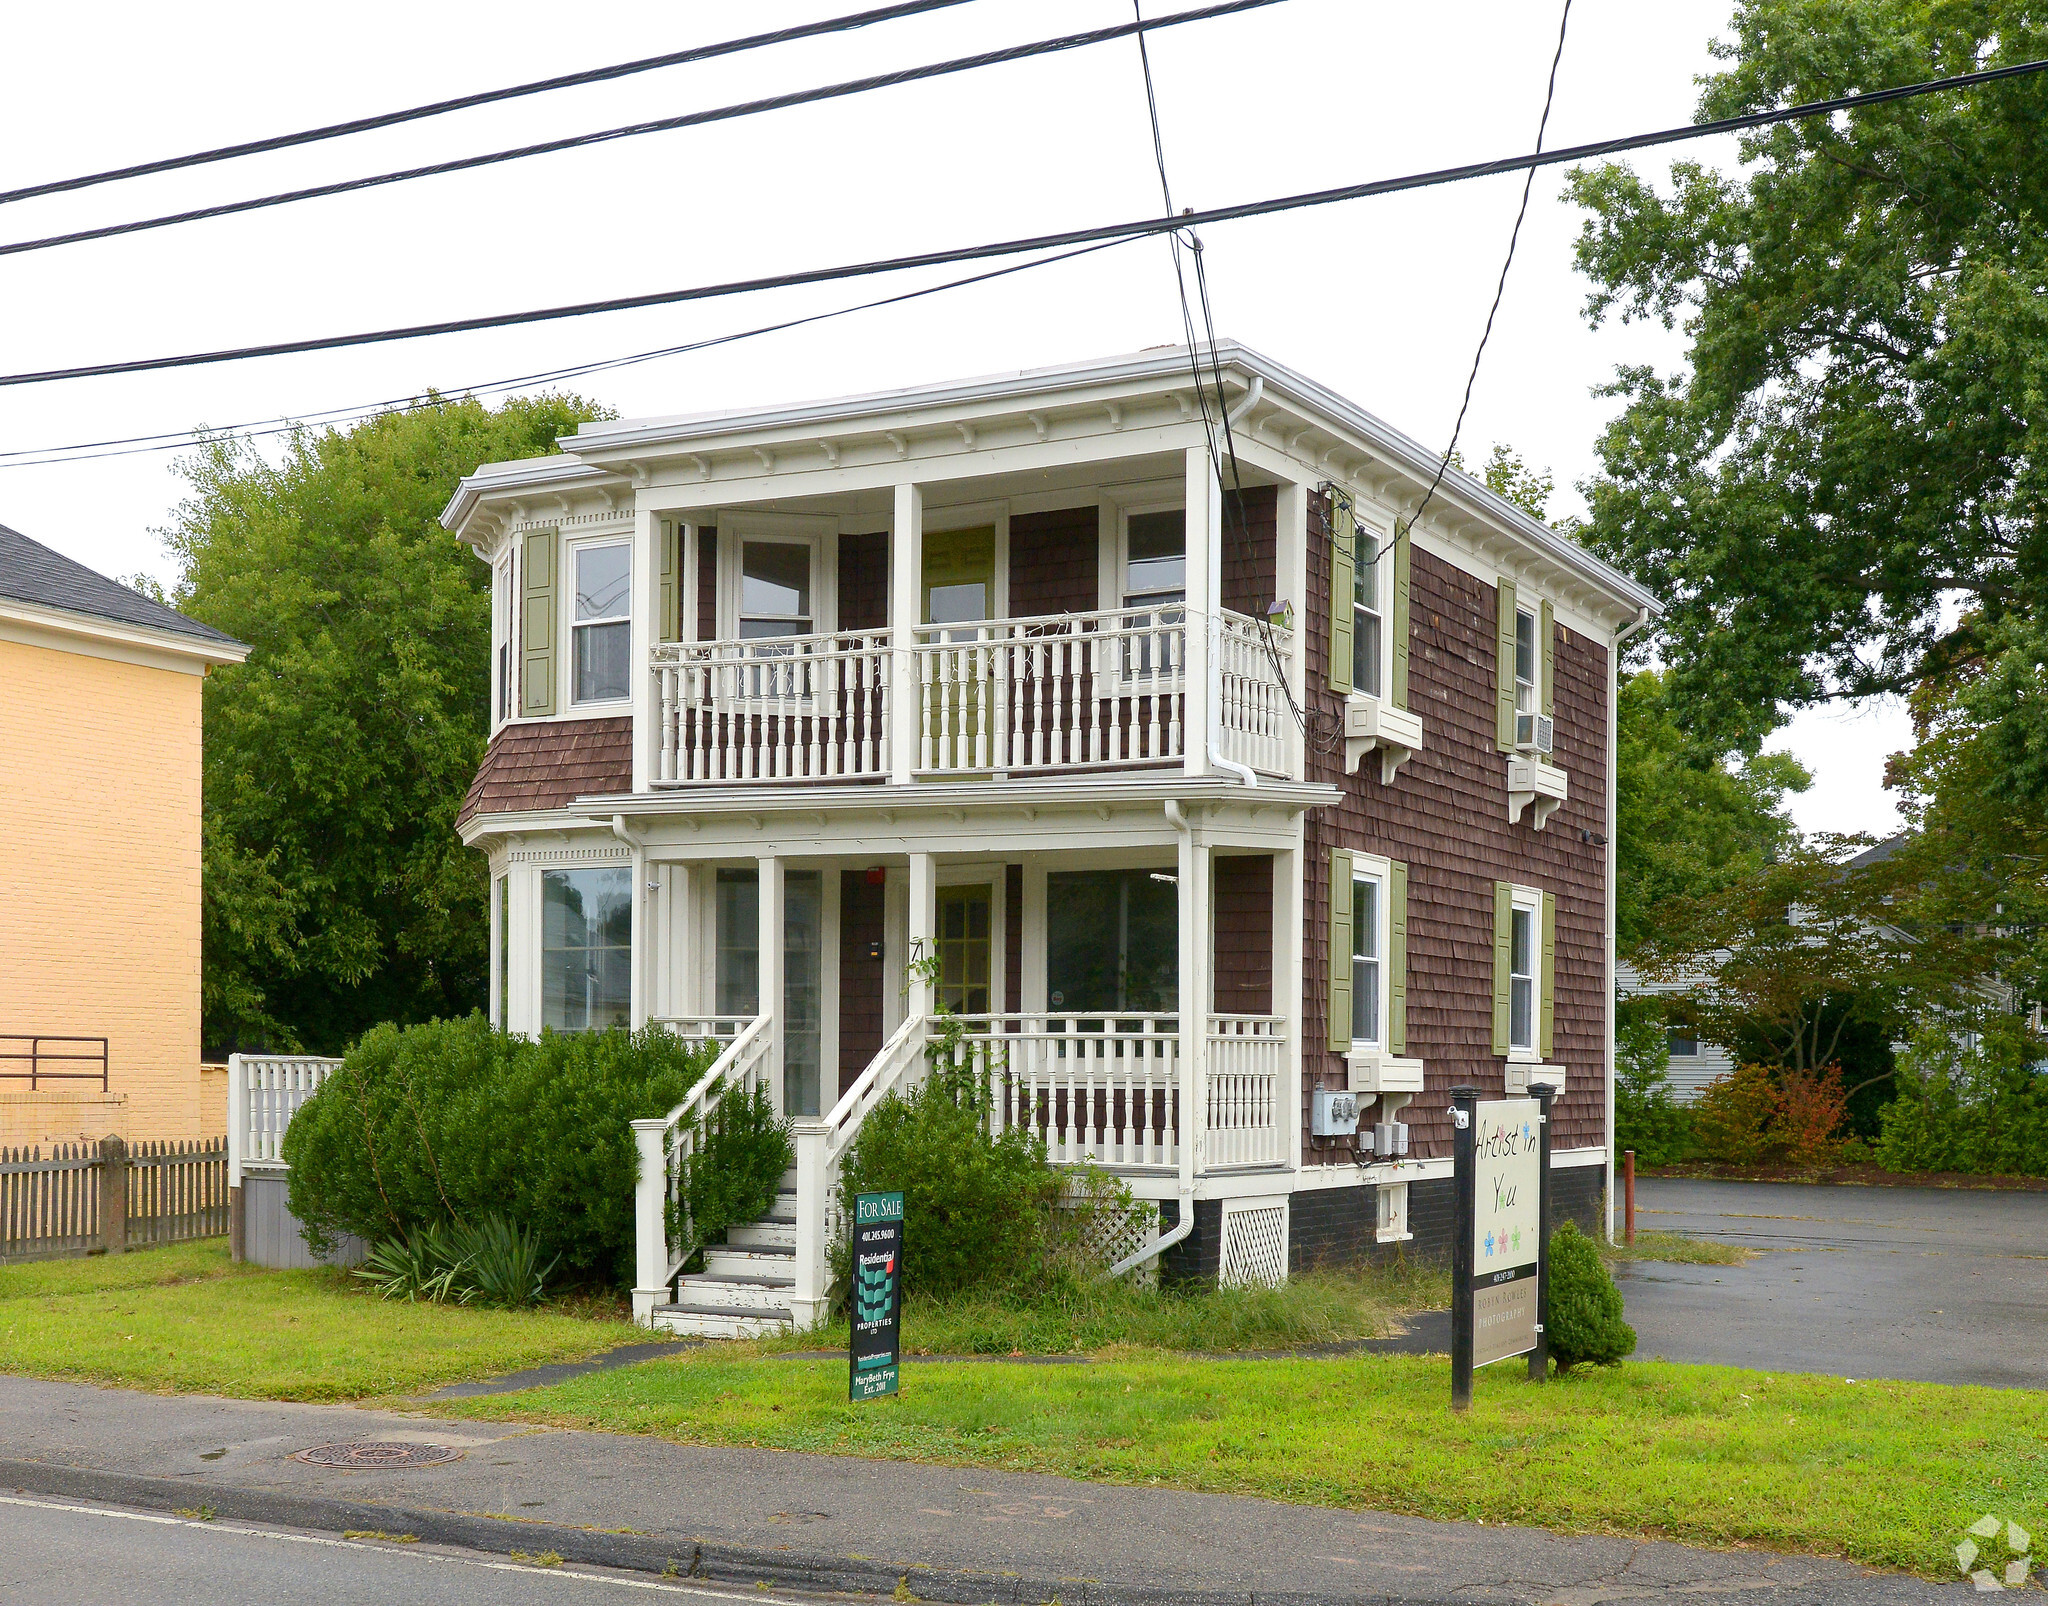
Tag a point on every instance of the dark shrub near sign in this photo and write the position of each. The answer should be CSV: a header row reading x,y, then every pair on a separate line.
x,y
1585,1322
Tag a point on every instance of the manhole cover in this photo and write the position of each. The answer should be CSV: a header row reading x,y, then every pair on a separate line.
x,y
377,1453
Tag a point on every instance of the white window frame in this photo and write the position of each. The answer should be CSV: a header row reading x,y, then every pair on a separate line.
x,y
1116,590
1124,512
1365,867
504,618
1529,901
571,551
821,535
1534,684
1383,585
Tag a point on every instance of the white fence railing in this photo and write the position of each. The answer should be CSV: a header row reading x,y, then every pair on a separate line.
x,y
1072,691
1097,1088
665,1145
1256,722
1243,1089
264,1093
797,708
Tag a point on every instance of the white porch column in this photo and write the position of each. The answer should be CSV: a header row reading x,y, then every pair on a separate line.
x,y
1205,595
641,990
645,630
906,608
650,1220
918,1000
1195,911
770,969
1288,936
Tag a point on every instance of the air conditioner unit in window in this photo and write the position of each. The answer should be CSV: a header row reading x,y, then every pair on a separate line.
x,y
1534,732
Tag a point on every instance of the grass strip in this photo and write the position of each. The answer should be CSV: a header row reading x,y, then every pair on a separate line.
x,y
186,1318
1677,1246
1884,1473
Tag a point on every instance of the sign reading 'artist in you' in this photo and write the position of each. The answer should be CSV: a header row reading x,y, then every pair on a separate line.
x,y
1506,1226
877,1295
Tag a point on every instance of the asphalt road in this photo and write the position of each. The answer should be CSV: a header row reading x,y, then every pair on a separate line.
x,y
1935,1284
90,1555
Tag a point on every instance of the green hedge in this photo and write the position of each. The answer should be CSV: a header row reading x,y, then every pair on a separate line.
x,y
1970,1102
453,1120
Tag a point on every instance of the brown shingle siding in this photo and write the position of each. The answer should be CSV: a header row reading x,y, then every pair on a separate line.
x,y
707,585
1446,817
1055,562
864,581
547,764
1250,551
1244,934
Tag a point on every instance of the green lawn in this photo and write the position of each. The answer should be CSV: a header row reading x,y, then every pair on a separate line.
x,y
1677,1246
186,1319
1885,1473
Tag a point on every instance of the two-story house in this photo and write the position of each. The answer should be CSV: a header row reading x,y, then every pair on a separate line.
x,y
1241,821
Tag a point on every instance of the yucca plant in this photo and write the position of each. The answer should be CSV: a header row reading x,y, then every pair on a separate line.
x,y
416,1266
499,1263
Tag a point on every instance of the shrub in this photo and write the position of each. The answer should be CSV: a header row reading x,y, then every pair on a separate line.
x,y
1812,1109
1969,1100
1646,1117
736,1169
1732,1113
488,1262
1584,1324
452,1121
977,1208
1757,1116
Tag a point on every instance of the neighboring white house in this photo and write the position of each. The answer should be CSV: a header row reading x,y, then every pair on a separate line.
x,y
1693,1063
1240,826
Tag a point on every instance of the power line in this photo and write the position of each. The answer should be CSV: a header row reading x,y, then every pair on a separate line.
x,y
438,108
658,125
169,440
1045,242
1500,289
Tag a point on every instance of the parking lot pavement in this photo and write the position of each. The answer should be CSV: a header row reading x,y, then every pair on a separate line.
x,y
1935,1284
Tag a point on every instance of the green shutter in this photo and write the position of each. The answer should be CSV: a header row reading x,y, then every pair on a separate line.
x,y
1399,690
1343,568
1548,626
538,556
1503,956
671,539
1504,668
1340,949
1549,975
1397,958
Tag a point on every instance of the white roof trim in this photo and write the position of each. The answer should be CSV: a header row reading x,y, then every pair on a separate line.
x,y
143,642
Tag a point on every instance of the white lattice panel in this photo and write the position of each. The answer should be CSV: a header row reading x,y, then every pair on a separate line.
x,y
1254,1244
1108,1234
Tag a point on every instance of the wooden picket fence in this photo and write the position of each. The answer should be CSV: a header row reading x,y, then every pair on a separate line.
x,y
61,1204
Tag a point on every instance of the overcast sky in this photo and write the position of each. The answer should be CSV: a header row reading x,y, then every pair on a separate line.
x,y
1382,300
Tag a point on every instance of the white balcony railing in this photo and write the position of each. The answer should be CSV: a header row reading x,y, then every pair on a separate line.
x,y
798,708
1253,712
1067,692
1243,1089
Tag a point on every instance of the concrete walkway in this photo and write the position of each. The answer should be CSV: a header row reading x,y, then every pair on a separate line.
x,y
1935,1284
828,1523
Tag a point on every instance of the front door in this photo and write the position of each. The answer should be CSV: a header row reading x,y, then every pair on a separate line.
x,y
964,949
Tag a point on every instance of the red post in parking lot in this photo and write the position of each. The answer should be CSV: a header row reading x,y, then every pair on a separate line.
x,y
1628,1196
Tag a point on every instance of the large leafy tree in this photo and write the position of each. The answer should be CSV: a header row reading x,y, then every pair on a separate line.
x,y
1856,444
336,892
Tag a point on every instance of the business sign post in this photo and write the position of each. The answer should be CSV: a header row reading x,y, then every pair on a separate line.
x,y
1499,1248
877,1295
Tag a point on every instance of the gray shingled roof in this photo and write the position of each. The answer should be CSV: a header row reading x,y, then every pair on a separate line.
x,y
31,572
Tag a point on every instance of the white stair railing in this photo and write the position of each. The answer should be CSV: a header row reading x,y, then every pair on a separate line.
x,y
264,1092
798,708
665,1144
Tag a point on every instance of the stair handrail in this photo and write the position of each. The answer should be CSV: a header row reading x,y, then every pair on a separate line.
x,y
874,1084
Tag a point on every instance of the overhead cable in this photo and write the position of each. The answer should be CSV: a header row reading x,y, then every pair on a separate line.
x,y
440,108
657,125
1044,242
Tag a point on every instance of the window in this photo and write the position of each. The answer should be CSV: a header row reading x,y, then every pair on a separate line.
x,y
1522,977
1112,942
1366,904
604,633
736,982
737,963
1526,667
775,589
501,900
1682,1044
1155,575
964,948
586,948
1368,630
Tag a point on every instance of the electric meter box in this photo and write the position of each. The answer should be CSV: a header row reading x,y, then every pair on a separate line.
x,y
1333,1113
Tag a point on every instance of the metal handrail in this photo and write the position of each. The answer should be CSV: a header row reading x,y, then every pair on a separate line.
x,y
35,1056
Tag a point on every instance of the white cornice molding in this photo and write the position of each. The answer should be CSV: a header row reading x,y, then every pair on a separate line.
x,y
60,630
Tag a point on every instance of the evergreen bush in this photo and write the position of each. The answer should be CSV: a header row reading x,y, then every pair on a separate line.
x,y
736,1169
1584,1325
452,1121
1972,1100
1647,1118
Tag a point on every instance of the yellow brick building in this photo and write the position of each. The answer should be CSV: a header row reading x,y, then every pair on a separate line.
x,y
99,855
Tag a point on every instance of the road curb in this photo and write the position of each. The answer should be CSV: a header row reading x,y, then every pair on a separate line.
x,y
697,1560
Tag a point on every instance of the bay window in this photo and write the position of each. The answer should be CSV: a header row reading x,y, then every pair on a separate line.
x,y
603,628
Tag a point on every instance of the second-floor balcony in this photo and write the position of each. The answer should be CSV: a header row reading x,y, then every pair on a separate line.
x,y
1074,692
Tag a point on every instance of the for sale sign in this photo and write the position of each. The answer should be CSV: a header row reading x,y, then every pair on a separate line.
x,y
877,1294
1507,1181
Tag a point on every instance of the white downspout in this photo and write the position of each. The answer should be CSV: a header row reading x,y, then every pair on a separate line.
x,y
1186,1224
1613,837
1247,401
